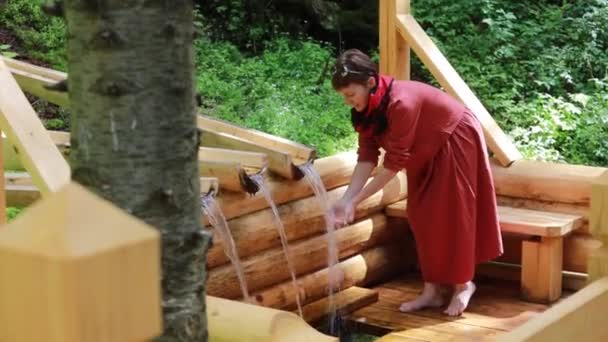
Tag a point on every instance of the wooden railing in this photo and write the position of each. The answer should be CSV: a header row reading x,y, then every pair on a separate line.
x,y
399,32
582,316
30,140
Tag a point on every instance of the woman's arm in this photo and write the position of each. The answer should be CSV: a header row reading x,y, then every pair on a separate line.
x,y
360,176
379,181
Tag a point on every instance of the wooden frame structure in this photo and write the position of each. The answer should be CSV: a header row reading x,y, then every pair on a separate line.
x,y
400,33
368,249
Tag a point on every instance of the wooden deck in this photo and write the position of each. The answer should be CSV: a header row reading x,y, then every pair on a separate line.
x,y
496,308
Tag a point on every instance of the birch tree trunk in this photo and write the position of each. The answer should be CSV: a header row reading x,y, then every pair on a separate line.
x,y
134,136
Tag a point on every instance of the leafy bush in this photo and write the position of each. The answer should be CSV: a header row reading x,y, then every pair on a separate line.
x,y
42,36
284,91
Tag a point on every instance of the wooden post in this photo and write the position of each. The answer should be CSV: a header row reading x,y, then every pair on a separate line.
x,y
541,276
394,51
76,268
598,225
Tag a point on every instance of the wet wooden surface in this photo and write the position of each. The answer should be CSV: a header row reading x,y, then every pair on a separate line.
x,y
495,308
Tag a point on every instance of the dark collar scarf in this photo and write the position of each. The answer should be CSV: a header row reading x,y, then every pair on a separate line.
x,y
372,121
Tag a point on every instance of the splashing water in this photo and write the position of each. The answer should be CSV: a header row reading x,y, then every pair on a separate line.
x,y
258,178
318,188
218,221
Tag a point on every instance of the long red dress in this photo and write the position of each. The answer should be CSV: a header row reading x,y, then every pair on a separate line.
x,y
451,203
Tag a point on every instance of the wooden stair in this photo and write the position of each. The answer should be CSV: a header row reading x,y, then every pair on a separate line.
x,y
542,253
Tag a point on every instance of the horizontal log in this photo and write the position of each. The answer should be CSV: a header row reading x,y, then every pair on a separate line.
x,y
545,181
309,255
369,267
302,218
300,153
334,171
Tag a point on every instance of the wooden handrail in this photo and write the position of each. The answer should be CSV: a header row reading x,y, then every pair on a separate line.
x,y
503,148
32,142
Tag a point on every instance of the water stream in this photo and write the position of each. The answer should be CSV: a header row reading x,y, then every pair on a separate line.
x,y
313,178
258,178
218,221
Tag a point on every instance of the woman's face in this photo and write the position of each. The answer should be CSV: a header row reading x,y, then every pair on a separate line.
x,y
356,94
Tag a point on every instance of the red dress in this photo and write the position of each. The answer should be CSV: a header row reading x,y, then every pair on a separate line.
x,y
451,203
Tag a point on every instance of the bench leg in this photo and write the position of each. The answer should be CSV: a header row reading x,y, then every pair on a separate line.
x,y
541,273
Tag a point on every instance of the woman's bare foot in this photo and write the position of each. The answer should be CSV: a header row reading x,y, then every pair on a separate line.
x,y
460,299
430,297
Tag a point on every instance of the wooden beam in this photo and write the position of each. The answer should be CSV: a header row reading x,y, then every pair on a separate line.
x,y
580,317
398,50
34,79
235,321
384,32
247,159
230,175
503,148
344,302
35,148
279,162
300,153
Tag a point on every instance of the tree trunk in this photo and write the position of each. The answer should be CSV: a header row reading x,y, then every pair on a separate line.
x,y
134,137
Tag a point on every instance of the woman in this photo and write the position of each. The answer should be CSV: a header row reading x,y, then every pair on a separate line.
x,y
451,203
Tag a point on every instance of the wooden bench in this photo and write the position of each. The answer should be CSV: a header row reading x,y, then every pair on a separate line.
x,y
542,253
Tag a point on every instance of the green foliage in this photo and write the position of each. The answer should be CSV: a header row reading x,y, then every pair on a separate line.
x,y
530,63
42,36
12,212
539,67
5,50
284,91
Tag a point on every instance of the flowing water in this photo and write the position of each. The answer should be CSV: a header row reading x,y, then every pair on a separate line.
x,y
258,178
318,188
218,221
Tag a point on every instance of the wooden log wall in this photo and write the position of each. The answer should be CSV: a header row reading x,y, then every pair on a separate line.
x,y
370,250
373,248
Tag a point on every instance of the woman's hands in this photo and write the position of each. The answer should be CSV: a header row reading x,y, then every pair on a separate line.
x,y
343,212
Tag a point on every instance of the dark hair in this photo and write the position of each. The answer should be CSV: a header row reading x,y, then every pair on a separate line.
x,y
352,66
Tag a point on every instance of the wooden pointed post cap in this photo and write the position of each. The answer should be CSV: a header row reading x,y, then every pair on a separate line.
x,y
76,268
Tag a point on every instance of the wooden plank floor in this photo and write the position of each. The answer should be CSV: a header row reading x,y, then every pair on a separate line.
x,y
494,309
